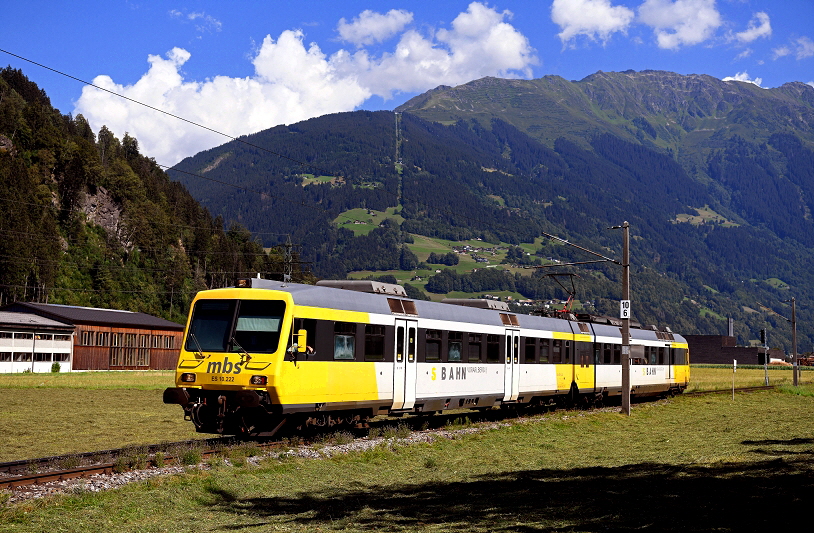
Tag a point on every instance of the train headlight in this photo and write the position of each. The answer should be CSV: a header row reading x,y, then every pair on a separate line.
x,y
258,380
188,377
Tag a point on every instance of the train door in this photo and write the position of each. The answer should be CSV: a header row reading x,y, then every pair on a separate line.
x,y
669,360
404,364
511,374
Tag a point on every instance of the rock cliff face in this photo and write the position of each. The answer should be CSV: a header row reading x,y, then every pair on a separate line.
x,y
101,209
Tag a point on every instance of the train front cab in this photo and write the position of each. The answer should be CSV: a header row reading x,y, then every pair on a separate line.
x,y
234,344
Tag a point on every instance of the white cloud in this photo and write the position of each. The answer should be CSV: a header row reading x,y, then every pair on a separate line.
x,y
801,48
596,19
781,51
371,27
293,82
680,22
759,26
805,48
744,54
744,76
290,84
205,23
480,43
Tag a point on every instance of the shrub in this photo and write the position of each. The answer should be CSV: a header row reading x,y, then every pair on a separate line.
x,y
55,368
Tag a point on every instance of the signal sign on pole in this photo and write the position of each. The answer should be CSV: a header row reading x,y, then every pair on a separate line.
x,y
624,309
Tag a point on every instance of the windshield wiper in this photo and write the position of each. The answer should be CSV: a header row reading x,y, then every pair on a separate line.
x,y
243,353
198,354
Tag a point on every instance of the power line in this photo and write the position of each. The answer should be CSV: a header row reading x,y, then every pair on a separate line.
x,y
301,163
399,195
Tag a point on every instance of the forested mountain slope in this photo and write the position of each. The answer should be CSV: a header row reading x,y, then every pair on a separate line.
x,y
87,220
714,177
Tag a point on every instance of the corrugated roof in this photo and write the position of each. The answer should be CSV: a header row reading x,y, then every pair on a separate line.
x,y
91,315
31,321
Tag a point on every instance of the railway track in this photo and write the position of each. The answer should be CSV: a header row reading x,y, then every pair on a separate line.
x,y
17,474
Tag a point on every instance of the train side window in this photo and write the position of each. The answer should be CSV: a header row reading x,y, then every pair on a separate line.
x,y
607,353
545,350
432,348
374,342
492,348
567,353
530,349
474,349
556,352
344,341
653,354
617,354
637,355
679,356
455,346
661,359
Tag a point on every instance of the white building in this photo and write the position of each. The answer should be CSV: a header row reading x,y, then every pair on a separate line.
x,y
33,343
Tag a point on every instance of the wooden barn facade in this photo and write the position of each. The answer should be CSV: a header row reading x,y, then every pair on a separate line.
x,y
107,339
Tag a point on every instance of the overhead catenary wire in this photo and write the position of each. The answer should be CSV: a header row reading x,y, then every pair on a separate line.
x,y
398,195
292,159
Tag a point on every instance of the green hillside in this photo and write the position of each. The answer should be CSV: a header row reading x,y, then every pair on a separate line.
x,y
87,220
716,179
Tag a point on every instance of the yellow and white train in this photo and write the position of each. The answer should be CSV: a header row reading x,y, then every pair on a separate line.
x,y
266,352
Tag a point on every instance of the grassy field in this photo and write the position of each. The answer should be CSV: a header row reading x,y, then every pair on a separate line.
x,y
50,414
689,464
717,377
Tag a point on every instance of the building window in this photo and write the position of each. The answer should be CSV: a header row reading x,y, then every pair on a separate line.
x,y
42,357
24,336
169,342
156,341
117,339
5,357
62,338
6,335
43,337
88,338
22,356
62,357
102,338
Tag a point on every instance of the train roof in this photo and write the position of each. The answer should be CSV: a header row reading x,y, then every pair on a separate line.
x,y
379,303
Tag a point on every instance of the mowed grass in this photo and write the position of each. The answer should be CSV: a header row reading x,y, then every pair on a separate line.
x,y
717,377
51,414
689,464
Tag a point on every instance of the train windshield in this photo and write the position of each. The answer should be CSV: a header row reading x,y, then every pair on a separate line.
x,y
236,325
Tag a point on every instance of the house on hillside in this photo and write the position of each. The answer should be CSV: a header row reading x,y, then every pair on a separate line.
x,y
109,339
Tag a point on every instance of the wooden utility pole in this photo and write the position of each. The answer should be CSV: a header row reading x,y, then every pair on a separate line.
x,y
626,319
796,366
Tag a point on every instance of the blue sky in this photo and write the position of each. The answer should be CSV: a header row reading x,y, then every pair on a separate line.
x,y
241,67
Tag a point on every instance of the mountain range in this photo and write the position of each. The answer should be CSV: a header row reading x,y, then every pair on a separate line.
x,y
715,177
